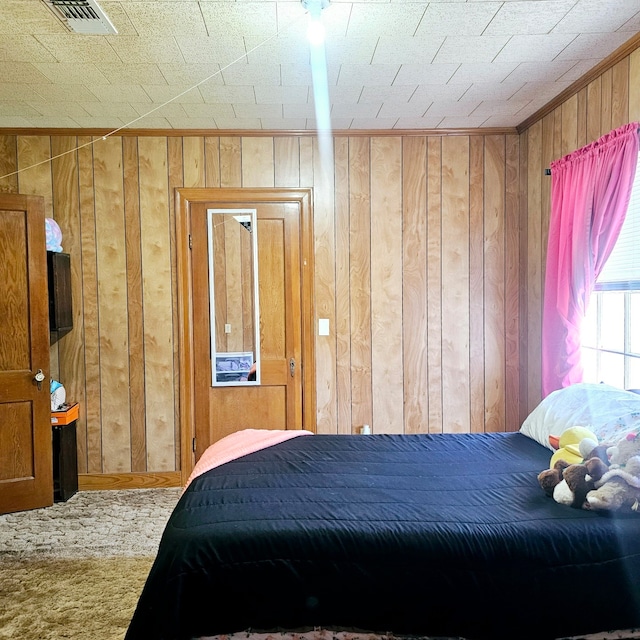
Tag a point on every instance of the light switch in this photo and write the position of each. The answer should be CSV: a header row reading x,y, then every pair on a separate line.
x,y
227,328
323,326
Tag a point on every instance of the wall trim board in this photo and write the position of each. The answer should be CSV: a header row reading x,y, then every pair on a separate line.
x,y
610,61
103,481
258,133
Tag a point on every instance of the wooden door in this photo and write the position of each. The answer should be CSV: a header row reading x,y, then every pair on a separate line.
x,y
276,403
26,475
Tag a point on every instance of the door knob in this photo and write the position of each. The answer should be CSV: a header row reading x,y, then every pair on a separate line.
x,y
39,377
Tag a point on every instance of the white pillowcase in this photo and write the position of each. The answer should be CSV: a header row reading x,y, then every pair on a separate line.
x,y
607,411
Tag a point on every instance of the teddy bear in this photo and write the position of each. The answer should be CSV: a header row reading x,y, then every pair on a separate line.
x,y
570,484
618,489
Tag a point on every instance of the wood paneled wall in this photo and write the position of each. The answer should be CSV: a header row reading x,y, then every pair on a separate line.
x,y
417,254
609,100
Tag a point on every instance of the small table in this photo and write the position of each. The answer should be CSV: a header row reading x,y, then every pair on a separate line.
x,y
65,452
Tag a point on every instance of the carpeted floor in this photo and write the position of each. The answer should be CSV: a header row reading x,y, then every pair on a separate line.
x,y
76,569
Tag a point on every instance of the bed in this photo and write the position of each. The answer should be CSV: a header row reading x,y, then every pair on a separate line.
x,y
430,535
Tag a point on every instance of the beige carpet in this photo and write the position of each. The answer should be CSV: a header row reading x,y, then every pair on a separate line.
x,y
76,569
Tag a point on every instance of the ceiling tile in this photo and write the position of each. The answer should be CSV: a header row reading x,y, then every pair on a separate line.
x,y
120,93
299,110
240,18
100,122
191,74
61,92
467,49
59,121
152,49
79,48
428,122
281,95
593,45
444,108
243,74
116,12
152,123
286,124
442,19
534,72
49,108
120,110
374,123
17,109
353,50
224,94
455,122
431,92
534,48
337,124
300,74
22,72
247,110
395,93
23,49
407,50
277,50
160,93
378,74
392,109
132,73
490,91
192,123
71,73
18,17
528,17
345,94
211,111
239,123
425,74
384,19
483,72
501,107
597,16
166,18
155,110
207,50
15,121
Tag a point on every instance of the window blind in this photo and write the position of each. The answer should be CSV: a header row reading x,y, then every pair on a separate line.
x,y
622,269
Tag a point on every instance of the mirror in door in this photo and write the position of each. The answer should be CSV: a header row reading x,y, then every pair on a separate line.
x,y
233,295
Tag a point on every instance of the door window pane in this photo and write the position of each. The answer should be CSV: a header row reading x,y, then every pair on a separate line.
x,y
612,369
634,322
634,374
612,318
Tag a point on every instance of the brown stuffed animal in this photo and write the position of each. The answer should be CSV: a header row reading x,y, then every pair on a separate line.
x,y
570,484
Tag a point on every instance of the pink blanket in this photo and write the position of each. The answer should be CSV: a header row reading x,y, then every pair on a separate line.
x,y
240,444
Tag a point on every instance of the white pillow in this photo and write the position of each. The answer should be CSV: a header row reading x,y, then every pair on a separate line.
x,y
607,411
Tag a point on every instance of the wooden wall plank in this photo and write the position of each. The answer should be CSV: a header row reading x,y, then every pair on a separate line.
x,y
8,164
112,305
620,93
569,113
343,310
634,86
66,209
476,281
535,260
414,284
176,180
325,291
157,303
434,282
89,438
594,102
455,284
606,114
137,423
257,162
386,284
212,161
230,162
286,150
34,177
193,161
494,283
360,281
513,325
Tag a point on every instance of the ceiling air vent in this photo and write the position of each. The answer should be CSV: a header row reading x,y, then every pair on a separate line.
x,y
82,16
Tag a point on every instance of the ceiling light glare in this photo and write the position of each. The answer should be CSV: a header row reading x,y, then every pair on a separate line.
x,y
315,31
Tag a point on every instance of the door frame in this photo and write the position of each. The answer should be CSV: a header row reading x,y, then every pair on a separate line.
x,y
184,197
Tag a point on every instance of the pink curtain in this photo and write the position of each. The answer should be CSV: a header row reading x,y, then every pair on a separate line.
x,y
590,193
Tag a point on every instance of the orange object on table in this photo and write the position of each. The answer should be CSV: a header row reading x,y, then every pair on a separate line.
x,y
66,416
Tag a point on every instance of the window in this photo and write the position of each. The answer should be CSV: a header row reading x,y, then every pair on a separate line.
x,y
611,331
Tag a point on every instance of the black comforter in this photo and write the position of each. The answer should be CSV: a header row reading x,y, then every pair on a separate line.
x,y
444,535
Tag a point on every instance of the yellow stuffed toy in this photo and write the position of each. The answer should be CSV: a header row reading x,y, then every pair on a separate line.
x,y
574,445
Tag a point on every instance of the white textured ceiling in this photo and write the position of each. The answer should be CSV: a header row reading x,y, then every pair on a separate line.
x,y
244,64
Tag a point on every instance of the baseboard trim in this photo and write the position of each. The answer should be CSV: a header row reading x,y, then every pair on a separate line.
x,y
102,481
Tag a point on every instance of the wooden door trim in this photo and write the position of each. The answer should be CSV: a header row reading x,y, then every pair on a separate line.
x,y
184,198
